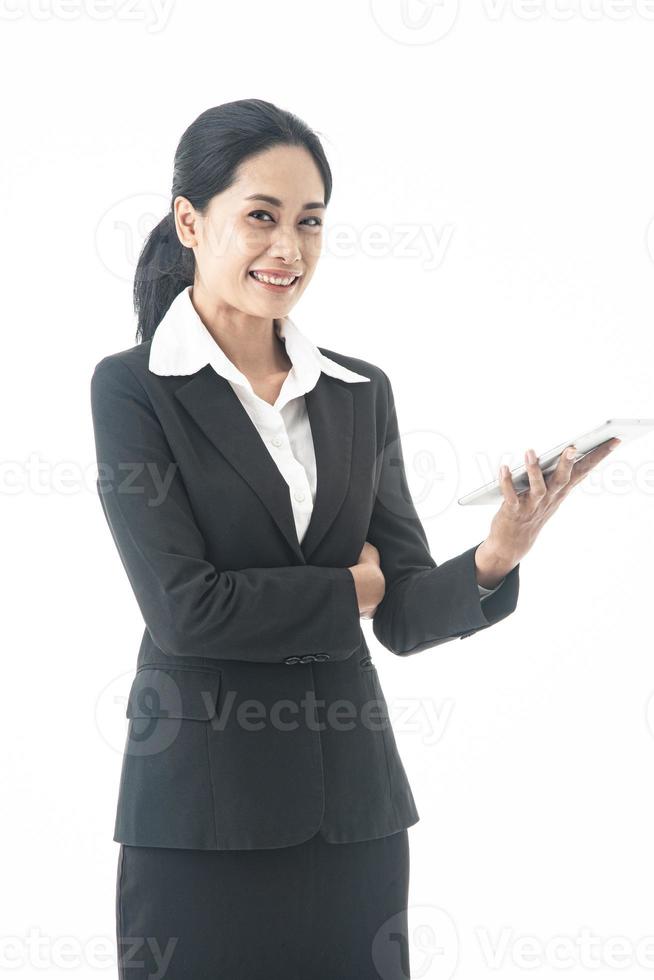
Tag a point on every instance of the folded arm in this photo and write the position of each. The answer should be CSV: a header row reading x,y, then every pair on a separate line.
x,y
189,607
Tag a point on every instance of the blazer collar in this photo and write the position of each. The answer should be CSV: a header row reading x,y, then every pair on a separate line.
x,y
216,408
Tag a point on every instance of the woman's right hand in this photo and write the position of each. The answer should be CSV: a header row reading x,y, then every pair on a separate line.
x,y
369,580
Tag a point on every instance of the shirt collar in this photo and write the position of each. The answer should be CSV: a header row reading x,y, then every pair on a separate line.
x,y
182,345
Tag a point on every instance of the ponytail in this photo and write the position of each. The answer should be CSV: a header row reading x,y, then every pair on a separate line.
x,y
164,268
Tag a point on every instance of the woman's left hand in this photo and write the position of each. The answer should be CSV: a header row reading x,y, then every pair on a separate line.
x,y
519,520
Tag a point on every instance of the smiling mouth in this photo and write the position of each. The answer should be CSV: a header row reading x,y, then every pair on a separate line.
x,y
273,285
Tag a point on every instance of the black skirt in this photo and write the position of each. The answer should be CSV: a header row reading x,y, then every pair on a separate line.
x,y
312,911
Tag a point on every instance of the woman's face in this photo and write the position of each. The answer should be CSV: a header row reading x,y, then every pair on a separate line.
x,y
244,230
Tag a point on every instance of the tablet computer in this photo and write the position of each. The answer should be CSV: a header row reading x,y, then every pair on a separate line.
x,y
623,429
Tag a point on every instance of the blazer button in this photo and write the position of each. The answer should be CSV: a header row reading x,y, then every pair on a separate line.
x,y
308,658
321,656
292,660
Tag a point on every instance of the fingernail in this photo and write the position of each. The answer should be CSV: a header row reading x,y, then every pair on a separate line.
x,y
571,453
531,456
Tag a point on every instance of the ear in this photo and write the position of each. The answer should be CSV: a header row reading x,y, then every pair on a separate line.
x,y
186,221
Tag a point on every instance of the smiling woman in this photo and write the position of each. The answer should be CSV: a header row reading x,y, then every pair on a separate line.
x,y
255,489
268,851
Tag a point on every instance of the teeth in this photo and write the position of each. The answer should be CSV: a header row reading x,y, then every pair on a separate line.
x,y
275,280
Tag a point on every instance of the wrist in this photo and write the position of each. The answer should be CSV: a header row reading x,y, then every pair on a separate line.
x,y
490,565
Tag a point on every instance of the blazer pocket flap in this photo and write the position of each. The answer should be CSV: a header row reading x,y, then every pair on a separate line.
x,y
159,692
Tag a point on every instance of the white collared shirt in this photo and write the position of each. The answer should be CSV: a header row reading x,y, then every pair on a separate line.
x,y
182,345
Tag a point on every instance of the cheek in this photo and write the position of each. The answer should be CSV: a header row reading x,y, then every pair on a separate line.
x,y
247,242
313,250
230,246
310,269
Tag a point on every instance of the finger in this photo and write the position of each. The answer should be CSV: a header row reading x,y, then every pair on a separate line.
x,y
537,486
560,476
506,486
583,466
369,554
374,557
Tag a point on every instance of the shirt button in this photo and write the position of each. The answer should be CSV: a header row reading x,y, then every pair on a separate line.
x,y
277,441
298,495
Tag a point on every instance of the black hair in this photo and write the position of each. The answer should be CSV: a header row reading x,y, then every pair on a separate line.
x,y
206,161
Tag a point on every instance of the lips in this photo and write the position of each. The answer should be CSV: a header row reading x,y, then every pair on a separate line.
x,y
272,286
278,273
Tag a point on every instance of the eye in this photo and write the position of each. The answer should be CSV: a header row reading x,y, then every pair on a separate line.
x,y
318,224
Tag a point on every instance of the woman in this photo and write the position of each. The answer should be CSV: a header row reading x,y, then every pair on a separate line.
x,y
255,488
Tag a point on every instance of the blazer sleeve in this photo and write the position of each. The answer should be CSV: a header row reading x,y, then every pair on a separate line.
x,y
484,593
189,607
425,604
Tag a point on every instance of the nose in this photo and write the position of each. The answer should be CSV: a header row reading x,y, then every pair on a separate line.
x,y
286,246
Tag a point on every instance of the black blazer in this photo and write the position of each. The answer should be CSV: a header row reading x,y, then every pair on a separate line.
x,y
247,726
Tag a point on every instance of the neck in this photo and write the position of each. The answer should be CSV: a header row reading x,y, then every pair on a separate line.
x,y
251,343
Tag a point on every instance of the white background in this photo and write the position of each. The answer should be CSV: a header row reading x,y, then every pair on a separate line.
x,y
506,153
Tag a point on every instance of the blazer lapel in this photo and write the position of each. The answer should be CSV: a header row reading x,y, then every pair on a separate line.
x,y
331,416
215,407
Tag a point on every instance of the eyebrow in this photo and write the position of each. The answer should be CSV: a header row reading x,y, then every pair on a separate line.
x,y
311,206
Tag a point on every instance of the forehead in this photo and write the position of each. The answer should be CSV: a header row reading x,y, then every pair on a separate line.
x,y
288,173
